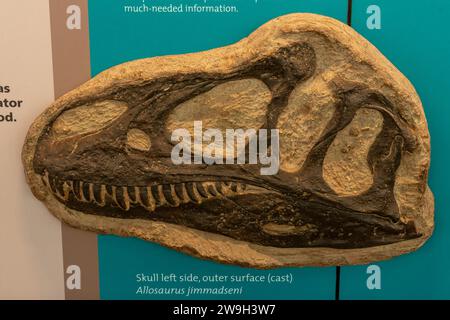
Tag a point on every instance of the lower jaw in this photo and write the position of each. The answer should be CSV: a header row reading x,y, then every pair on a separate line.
x,y
242,212
224,249
223,216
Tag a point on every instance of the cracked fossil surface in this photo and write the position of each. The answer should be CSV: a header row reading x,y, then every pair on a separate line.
x,y
354,151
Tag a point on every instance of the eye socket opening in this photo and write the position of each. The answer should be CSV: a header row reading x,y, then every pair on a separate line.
x,y
138,140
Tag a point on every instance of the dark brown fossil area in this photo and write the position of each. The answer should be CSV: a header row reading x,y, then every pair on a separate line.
x,y
353,151
103,177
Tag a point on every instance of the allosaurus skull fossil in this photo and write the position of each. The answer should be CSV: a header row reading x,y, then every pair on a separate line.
x,y
353,151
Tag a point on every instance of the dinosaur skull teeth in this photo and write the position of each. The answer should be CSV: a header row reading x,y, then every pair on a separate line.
x,y
149,197
351,150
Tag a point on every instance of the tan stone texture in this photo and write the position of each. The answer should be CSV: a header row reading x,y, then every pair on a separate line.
x,y
342,56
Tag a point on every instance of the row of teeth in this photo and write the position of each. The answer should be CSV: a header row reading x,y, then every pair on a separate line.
x,y
148,197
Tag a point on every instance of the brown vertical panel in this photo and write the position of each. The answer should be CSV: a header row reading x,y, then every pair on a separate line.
x,y
71,67
71,59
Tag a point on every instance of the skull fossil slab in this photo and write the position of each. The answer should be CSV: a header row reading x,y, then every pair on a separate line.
x,y
353,151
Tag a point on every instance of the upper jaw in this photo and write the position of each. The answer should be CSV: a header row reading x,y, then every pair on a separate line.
x,y
121,169
149,197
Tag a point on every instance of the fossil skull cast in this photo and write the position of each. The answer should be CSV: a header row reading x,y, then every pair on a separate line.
x,y
353,151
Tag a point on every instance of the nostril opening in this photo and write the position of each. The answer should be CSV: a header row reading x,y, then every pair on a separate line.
x,y
87,119
138,140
